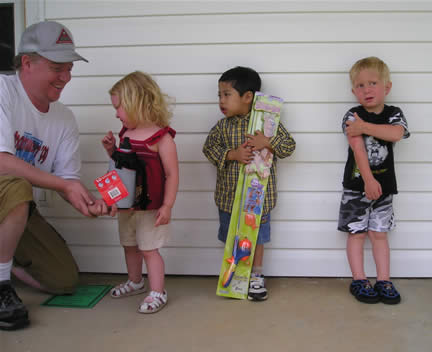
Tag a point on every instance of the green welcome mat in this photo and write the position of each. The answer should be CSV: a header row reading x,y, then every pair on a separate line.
x,y
84,297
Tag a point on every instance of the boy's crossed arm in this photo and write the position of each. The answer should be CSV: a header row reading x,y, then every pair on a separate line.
x,y
243,154
386,132
217,152
254,142
259,141
282,145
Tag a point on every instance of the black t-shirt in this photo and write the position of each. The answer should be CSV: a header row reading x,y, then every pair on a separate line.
x,y
380,152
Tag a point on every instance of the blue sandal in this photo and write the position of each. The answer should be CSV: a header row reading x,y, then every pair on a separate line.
x,y
387,292
363,291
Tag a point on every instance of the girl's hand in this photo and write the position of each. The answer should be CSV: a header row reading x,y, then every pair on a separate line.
x,y
112,211
109,143
163,215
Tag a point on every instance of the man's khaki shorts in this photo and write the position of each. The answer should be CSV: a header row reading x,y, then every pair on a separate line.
x,y
41,251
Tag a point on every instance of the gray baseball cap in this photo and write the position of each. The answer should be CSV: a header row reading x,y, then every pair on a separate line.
x,y
51,40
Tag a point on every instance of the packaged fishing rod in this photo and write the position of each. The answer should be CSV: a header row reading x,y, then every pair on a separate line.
x,y
248,203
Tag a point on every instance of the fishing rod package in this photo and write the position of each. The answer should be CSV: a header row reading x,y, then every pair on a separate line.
x,y
248,203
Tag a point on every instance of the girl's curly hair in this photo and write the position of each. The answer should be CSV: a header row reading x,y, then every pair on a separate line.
x,y
142,99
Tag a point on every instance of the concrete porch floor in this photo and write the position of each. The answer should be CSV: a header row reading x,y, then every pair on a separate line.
x,y
301,314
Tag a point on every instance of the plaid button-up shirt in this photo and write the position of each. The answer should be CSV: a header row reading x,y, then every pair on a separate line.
x,y
228,134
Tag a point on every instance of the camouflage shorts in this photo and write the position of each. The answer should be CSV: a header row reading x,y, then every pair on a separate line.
x,y
358,214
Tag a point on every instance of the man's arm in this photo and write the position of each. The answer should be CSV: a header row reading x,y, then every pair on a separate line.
x,y
72,190
11,165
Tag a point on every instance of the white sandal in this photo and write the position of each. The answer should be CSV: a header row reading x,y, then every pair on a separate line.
x,y
128,288
154,302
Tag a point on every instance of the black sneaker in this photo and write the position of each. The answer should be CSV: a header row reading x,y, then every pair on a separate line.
x,y
257,289
13,313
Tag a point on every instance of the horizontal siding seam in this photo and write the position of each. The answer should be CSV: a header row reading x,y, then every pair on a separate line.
x,y
426,10
293,42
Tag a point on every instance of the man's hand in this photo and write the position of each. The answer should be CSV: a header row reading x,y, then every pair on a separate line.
x,y
356,127
242,154
100,208
78,196
258,141
109,143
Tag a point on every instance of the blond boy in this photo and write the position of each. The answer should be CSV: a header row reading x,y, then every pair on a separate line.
x,y
369,182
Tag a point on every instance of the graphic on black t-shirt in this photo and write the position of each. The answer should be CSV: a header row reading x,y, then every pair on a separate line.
x,y
377,153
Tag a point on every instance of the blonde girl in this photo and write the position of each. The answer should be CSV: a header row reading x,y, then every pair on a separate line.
x,y
143,110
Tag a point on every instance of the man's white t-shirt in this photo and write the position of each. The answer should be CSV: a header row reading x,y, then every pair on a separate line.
x,y
48,141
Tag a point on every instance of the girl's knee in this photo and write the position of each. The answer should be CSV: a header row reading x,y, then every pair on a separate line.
x,y
150,253
131,249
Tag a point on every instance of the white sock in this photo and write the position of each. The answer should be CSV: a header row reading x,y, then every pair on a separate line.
x,y
257,270
5,271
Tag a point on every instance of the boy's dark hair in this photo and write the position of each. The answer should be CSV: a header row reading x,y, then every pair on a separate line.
x,y
243,79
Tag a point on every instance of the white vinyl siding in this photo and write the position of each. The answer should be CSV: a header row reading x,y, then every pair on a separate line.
x,y
303,51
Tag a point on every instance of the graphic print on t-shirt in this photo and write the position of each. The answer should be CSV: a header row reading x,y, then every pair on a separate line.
x,y
28,146
377,152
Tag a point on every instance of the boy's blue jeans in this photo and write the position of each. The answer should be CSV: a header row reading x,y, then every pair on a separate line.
x,y
263,233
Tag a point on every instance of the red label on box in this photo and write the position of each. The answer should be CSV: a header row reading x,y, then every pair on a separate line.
x,y
111,187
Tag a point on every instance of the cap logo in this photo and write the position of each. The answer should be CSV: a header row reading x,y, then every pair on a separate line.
x,y
64,38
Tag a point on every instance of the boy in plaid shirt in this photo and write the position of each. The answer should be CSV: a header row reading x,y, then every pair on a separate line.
x,y
228,145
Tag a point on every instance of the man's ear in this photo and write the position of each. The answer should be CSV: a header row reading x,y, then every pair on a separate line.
x,y
25,60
